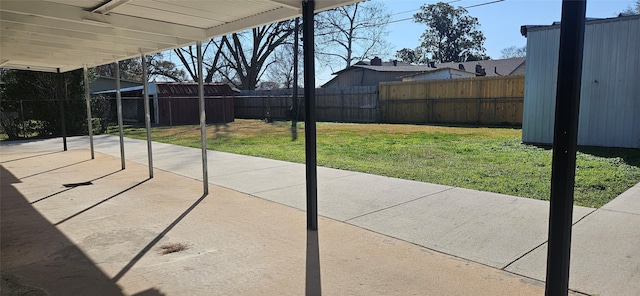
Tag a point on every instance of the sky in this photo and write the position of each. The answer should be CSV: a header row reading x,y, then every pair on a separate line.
x,y
500,22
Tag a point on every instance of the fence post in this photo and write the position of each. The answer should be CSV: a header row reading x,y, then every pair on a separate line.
x,y
170,113
24,130
342,105
495,111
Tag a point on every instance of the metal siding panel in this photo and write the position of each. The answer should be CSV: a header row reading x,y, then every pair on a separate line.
x,y
540,89
610,108
634,93
608,114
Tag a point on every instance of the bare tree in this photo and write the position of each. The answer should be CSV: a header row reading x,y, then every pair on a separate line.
x,y
240,58
514,52
282,67
633,9
351,33
211,65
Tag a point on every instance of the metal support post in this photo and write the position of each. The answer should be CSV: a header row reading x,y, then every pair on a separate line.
x,y
565,137
87,97
203,120
308,7
116,70
147,115
294,97
61,94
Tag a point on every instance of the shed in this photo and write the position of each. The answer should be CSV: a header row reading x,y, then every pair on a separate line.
x,y
176,103
610,93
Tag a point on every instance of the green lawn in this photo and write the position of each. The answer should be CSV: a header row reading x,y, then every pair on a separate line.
x,y
489,159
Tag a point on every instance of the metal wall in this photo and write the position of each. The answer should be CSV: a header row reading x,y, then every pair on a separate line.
x,y
610,94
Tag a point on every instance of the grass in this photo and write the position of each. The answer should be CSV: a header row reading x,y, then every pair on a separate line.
x,y
488,159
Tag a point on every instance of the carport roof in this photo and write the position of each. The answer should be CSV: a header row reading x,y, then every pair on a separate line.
x,y
52,35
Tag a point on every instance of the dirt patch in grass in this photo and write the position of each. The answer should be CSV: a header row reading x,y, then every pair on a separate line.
x,y
173,248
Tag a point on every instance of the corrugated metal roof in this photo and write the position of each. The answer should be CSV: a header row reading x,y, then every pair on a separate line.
x,y
191,89
176,89
51,35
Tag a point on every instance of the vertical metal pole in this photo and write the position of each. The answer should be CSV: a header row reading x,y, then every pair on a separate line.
x,y
147,116
61,94
116,70
294,96
308,7
87,98
565,137
24,129
203,120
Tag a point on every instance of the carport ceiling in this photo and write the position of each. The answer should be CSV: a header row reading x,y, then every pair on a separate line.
x,y
47,35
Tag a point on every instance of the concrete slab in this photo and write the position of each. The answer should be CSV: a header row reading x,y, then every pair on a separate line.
x,y
353,195
605,253
104,239
489,228
627,202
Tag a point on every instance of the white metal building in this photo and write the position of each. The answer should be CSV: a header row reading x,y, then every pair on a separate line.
x,y
610,93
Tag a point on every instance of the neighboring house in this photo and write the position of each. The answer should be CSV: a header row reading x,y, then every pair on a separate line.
x,y
107,83
175,103
439,73
363,74
610,89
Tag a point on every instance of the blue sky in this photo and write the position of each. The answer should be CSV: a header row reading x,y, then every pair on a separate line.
x,y
500,22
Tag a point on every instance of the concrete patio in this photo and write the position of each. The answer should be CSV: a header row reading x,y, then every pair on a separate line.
x,y
378,235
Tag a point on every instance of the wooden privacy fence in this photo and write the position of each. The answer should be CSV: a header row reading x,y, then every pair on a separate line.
x,y
357,104
485,100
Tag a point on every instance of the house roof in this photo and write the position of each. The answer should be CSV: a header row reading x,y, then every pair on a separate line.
x,y
190,89
437,70
121,79
176,89
502,67
63,35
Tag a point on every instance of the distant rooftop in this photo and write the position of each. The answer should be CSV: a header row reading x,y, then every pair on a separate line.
x,y
492,67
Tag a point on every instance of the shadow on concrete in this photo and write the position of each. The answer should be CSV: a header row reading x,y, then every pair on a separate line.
x,y
153,242
69,188
100,202
313,284
55,169
150,292
32,156
37,256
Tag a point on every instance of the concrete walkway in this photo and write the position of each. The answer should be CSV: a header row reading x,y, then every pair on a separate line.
x,y
504,232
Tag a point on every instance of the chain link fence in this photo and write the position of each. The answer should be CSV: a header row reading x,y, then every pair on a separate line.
x,y
26,119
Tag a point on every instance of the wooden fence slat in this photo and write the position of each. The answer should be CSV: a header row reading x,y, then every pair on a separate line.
x,y
479,100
